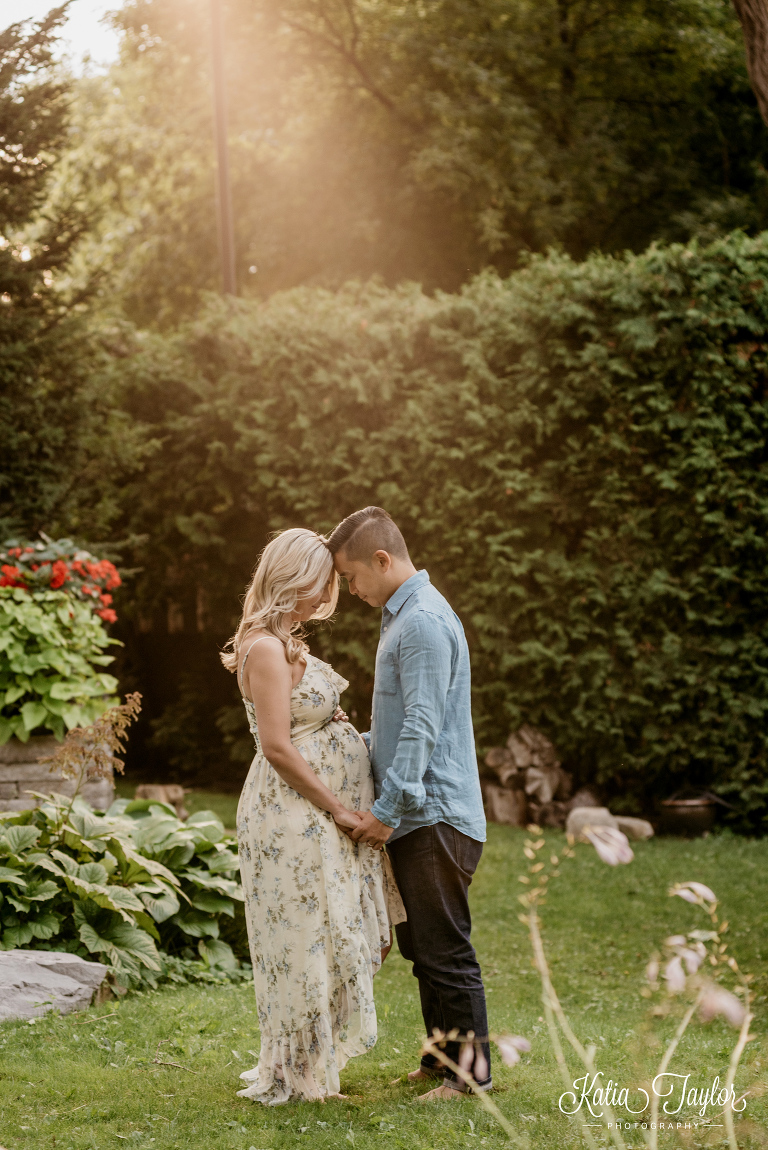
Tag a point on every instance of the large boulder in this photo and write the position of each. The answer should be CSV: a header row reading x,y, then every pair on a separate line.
x,y
581,817
35,981
638,829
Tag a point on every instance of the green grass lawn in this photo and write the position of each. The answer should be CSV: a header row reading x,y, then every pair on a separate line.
x,y
88,1081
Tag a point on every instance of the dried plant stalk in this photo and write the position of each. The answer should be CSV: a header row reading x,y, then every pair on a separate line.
x,y
711,999
671,1048
607,1116
733,1066
565,1074
91,752
431,1046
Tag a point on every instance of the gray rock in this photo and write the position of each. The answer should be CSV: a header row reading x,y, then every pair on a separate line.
x,y
584,798
638,829
33,982
581,817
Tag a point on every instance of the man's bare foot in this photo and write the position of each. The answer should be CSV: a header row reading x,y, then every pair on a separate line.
x,y
440,1093
412,1076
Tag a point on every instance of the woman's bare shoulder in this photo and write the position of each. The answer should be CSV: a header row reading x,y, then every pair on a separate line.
x,y
263,650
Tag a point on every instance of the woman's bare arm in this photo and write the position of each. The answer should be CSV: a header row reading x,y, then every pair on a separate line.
x,y
268,683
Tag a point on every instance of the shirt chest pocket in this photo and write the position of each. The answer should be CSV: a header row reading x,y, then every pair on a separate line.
x,y
387,678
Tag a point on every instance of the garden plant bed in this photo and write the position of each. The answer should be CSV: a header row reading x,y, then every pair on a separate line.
x,y
102,1079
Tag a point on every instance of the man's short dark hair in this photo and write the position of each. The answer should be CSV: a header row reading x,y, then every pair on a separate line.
x,y
364,532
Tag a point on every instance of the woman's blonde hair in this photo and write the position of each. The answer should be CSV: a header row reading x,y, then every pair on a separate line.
x,y
296,561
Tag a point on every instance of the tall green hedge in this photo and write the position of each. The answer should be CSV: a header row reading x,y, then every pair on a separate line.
x,y
577,454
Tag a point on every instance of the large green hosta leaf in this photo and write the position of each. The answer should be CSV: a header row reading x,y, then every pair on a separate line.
x,y
159,901
86,829
89,880
213,903
208,881
44,861
15,933
120,941
93,872
41,890
14,840
45,926
141,806
10,874
196,924
206,828
179,856
222,862
159,834
217,953
135,867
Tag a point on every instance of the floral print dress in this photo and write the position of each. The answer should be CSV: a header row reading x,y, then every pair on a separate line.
x,y
319,907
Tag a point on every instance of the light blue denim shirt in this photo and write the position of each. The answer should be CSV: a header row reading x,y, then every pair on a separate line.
x,y
421,741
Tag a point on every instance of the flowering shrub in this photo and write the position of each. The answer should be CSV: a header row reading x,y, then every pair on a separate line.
x,y
56,565
54,602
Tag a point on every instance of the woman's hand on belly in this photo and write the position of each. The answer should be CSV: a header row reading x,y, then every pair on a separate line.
x,y
339,716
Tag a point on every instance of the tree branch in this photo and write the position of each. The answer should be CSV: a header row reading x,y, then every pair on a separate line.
x,y
753,15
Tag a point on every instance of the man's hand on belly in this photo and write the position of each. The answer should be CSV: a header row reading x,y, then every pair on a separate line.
x,y
369,830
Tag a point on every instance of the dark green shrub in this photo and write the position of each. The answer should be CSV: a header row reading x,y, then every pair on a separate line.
x,y
577,454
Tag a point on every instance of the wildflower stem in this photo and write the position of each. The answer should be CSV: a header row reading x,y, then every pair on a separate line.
x,y
565,1074
482,1095
736,1054
606,1114
671,1048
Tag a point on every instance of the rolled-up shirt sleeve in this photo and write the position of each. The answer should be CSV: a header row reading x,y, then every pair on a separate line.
x,y
425,659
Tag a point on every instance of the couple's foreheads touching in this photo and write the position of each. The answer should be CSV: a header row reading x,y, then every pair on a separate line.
x,y
297,577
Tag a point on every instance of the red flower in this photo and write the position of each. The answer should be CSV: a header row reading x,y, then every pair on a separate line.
x,y
105,599
104,572
107,614
112,577
11,577
59,574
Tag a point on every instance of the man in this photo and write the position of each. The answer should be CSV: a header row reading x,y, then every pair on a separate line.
x,y
428,808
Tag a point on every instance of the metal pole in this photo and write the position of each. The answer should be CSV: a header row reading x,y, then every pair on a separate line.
x,y
224,190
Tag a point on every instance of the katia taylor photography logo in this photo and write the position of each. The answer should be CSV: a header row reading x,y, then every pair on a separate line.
x,y
682,1098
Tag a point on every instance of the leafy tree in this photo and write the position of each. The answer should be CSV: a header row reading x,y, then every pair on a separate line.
x,y
55,429
421,141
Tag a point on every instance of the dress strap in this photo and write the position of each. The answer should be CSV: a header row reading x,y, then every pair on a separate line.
x,y
242,665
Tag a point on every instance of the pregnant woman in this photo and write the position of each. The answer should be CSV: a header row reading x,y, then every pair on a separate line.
x,y
319,907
